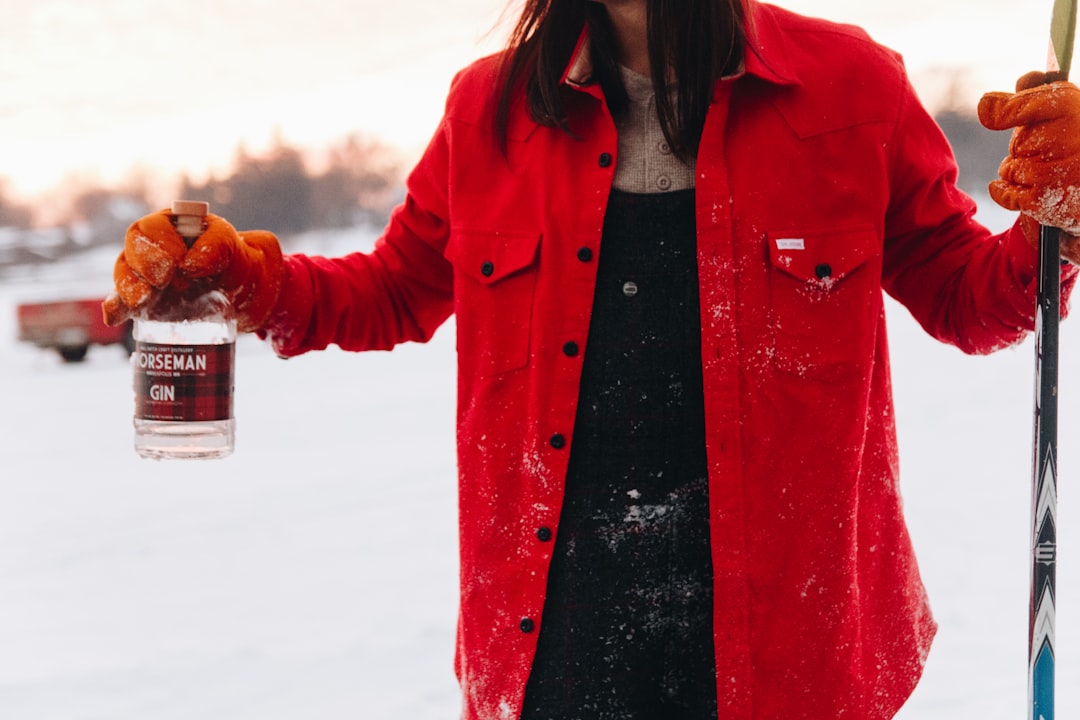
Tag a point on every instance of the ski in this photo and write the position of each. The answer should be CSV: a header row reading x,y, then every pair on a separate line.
x,y
1042,614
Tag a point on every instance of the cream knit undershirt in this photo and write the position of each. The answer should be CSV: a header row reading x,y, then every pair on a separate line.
x,y
646,163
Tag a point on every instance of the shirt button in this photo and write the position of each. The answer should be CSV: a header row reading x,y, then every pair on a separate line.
x,y
557,441
664,148
605,160
487,269
527,625
629,288
544,534
570,349
823,271
663,182
584,254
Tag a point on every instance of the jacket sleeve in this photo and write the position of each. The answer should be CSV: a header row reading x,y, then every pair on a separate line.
x,y
401,291
965,286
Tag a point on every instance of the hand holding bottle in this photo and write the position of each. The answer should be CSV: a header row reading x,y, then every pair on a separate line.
x,y
1041,175
156,266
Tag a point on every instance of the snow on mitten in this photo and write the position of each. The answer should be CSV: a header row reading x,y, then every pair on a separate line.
x,y
1041,175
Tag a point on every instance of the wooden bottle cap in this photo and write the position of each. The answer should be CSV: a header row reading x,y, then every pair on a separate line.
x,y
190,207
189,218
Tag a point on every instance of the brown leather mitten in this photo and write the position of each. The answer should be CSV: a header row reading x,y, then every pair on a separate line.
x,y
1041,175
248,268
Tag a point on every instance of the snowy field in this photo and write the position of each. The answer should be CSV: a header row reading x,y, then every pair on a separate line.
x,y
313,573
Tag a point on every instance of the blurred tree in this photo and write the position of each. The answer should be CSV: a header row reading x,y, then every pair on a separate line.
x,y
359,184
275,191
271,191
978,151
100,215
13,214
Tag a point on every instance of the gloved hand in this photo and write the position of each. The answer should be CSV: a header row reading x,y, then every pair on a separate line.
x,y
1041,176
156,265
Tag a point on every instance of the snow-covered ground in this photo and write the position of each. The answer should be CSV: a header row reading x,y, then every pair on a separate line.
x,y
313,573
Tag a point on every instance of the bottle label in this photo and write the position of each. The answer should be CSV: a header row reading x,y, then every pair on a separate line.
x,y
185,383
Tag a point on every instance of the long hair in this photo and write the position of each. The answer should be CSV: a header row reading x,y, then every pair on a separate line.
x,y
693,42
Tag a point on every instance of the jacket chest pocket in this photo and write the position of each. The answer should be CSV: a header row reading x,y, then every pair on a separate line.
x,y
494,283
825,294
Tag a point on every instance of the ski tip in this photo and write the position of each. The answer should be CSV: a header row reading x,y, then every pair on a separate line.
x,y
1062,35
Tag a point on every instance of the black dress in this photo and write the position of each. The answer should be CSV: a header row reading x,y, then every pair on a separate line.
x,y
627,624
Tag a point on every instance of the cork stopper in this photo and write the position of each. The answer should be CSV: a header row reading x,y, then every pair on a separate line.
x,y
190,215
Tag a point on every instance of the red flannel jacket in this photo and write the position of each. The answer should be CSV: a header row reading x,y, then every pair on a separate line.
x,y
821,182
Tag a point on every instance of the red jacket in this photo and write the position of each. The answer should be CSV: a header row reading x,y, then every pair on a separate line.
x,y
821,182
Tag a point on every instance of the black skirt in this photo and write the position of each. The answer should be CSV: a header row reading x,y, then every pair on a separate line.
x,y
627,622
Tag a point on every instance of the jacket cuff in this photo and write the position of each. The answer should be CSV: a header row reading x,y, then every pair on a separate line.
x,y
286,327
1025,256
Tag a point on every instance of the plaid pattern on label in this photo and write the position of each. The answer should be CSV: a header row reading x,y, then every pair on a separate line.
x,y
187,383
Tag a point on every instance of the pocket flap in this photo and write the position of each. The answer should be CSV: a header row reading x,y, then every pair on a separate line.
x,y
488,256
822,256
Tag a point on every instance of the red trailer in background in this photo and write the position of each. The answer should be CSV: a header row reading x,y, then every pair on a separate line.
x,y
70,327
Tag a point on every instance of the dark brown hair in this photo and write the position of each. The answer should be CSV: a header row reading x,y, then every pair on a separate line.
x,y
696,41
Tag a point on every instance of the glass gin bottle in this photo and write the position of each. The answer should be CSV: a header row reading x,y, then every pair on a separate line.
x,y
185,349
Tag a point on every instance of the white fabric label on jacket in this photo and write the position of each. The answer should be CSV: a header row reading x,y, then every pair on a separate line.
x,y
790,244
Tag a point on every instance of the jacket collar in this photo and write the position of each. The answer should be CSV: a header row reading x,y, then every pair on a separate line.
x,y
766,56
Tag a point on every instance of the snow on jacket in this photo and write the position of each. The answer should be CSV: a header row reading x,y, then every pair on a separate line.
x,y
821,182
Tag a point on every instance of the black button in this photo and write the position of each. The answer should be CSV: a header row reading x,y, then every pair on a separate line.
x,y
487,269
823,270
544,534
527,625
558,441
605,159
570,349
584,254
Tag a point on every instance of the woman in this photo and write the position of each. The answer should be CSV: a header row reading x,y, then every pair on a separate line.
x,y
664,228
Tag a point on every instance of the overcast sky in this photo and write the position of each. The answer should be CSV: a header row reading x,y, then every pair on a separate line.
x,y
99,88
